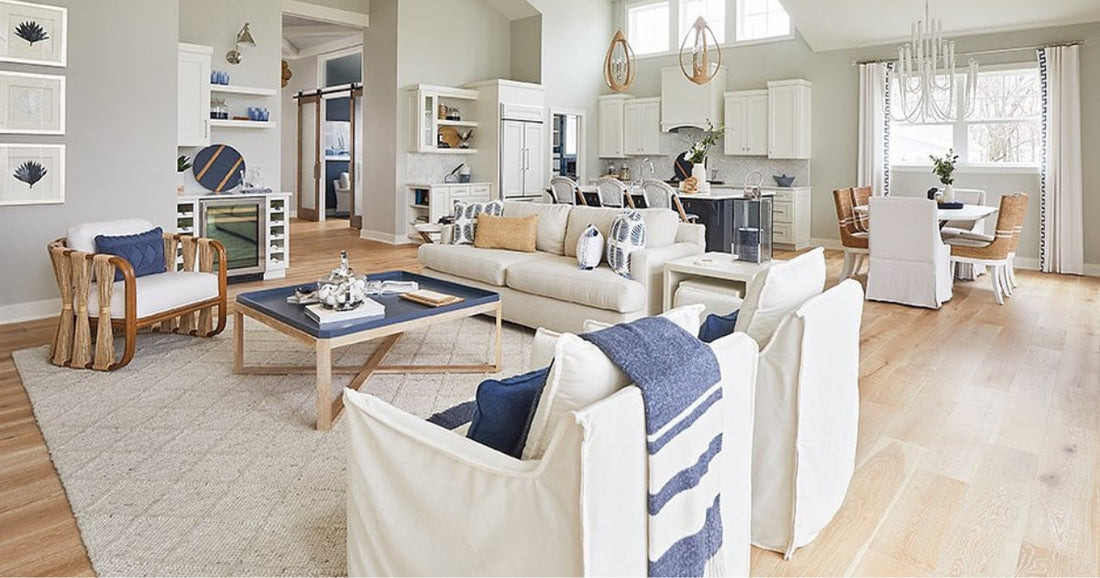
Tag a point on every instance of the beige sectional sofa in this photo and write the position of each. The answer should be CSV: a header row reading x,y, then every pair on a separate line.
x,y
548,288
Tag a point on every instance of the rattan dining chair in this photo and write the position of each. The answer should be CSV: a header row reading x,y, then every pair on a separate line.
x,y
563,190
854,242
861,196
612,192
995,251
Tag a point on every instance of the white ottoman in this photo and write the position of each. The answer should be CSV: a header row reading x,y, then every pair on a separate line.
x,y
719,298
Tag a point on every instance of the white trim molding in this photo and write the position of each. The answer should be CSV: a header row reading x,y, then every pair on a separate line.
x,y
383,237
30,311
326,14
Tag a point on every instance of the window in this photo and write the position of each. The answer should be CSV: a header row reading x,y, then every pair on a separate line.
x,y
713,11
760,19
1004,129
647,27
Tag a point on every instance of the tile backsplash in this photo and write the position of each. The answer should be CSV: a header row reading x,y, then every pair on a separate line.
x,y
432,168
731,169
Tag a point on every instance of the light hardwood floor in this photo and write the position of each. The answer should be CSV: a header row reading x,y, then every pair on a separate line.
x,y
979,442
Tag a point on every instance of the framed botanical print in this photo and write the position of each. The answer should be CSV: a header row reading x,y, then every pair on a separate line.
x,y
33,33
32,103
33,174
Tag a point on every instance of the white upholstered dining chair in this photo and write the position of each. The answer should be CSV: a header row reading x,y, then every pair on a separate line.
x,y
910,264
952,229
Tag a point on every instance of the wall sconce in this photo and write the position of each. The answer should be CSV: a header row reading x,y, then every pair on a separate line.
x,y
618,65
703,45
244,39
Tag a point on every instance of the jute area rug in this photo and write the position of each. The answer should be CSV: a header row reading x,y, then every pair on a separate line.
x,y
176,466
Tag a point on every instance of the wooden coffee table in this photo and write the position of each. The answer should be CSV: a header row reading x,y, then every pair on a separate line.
x,y
269,307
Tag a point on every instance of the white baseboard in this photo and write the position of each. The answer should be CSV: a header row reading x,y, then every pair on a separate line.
x,y
827,243
383,237
30,311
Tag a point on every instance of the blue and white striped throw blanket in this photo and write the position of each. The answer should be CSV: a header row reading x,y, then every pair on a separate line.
x,y
682,393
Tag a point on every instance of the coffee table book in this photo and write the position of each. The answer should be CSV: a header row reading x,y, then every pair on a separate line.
x,y
324,316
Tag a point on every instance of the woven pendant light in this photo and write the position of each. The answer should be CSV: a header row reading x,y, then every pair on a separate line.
x,y
618,65
695,61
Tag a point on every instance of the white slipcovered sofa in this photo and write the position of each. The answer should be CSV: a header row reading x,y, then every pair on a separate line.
x,y
423,500
547,288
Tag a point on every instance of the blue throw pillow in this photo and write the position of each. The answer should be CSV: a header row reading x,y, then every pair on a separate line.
x,y
144,251
503,410
715,327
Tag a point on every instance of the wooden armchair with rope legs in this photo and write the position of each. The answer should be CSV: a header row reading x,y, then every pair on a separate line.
x,y
854,242
152,301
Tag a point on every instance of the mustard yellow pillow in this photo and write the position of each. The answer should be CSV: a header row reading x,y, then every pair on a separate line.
x,y
512,233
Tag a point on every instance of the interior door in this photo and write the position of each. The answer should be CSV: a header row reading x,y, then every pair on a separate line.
x,y
512,159
308,189
534,141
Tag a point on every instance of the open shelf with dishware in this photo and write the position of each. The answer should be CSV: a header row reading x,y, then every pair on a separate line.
x,y
440,119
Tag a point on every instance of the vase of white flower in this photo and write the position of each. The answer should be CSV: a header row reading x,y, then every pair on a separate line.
x,y
698,154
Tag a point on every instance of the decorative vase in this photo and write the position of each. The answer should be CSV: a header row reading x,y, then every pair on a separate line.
x,y
949,194
699,171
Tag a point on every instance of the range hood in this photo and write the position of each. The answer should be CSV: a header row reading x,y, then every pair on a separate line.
x,y
685,104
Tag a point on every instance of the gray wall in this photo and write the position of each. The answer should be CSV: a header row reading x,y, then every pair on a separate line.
x,y
836,107
305,78
360,6
260,67
380,128
120,137
527,49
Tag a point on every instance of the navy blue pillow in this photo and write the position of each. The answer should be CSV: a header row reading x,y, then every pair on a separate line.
x,y
144,251
503,409
715,327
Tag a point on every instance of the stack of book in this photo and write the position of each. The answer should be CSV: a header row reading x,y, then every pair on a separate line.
x,y
324,316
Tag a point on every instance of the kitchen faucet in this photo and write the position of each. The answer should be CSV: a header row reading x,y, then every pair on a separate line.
x,y
652,169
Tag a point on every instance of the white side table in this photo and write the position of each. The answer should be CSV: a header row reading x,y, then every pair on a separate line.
x,y
721,266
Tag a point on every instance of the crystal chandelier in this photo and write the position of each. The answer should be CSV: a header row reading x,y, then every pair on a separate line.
x,y
926,76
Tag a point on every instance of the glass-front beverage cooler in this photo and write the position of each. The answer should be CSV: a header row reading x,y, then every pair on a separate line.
x,y
239,225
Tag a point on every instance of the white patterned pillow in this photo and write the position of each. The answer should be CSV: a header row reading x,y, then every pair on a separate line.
x,y
590,248
627,235
466,218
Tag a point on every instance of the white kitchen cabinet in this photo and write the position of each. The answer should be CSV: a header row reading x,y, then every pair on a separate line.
x,y
686,104
746,123
789,122
193,103
427,128
611,119
430,202
790,217
522,160
642,126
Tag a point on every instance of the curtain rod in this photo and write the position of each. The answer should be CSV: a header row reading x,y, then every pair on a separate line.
x,y
981,52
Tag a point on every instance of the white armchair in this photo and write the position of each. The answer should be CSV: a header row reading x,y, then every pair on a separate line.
x,y
910,264
807,416
426,501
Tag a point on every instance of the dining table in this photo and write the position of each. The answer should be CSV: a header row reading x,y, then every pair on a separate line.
x,y
965,213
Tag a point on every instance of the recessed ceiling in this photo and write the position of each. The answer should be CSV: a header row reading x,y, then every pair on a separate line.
x,y
514,9
303,33
835,24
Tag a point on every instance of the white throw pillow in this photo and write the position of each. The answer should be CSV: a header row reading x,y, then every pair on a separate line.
x,y
628,234
82,237
542,349
582,375
590,248
466,218
777,291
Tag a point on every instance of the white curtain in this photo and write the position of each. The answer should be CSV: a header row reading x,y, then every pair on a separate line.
x,y
874,127
1061,224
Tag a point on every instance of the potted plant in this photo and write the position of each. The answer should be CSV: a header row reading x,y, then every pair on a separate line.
x,y
183,162
944,168
697,154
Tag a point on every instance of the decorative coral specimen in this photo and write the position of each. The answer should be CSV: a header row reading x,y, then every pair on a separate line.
x,y
31,32
30,172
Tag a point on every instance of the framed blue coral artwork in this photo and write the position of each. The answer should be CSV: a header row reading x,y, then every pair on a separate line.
x,y
32,174
32,103
33,33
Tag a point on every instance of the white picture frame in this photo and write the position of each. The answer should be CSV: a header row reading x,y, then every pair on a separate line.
x,y
21,25
32,103
33,174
